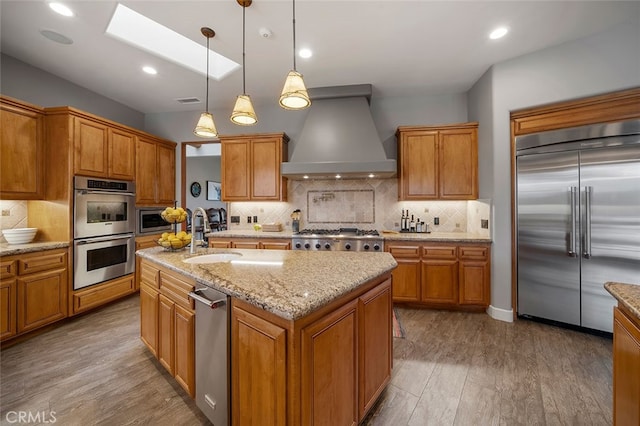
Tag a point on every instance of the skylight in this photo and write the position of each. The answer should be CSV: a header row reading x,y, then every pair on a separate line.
x,y
137,30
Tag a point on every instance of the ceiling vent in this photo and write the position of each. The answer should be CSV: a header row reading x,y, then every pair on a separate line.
x,y
189,101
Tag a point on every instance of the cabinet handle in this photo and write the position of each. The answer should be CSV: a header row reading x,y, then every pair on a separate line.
x,y
213,304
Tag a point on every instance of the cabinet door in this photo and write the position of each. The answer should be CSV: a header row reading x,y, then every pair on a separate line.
x,y
90,150
166,333
265,168
235,173
474,283
406,280
149,303
122,153
419,166
258,370
184,345
375,350
440,281
42,298
166,175
146,172
458,164
329,374
21,153
8,308
626,370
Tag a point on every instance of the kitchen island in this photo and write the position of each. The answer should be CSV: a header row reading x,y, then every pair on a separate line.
x,y
310,332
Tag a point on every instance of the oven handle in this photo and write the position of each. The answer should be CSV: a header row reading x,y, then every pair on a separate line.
x,y
103,239
213,304
126,194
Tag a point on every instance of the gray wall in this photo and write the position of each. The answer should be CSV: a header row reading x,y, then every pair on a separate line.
x,y
22,81
201,170
602,63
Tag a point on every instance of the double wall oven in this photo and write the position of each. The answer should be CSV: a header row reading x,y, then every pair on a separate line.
x,y
103,230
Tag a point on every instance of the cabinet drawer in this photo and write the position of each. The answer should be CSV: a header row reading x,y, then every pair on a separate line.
x,y
177,289
405,251
8,268
42,262
440,252
103,293
473,253
150,275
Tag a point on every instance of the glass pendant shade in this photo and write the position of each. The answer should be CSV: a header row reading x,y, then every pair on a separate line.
x,y
243,113
205,127
294,94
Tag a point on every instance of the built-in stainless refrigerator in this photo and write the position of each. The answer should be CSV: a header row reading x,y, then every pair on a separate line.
x,y
578,221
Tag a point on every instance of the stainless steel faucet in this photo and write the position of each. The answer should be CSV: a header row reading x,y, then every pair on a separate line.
x,y
205,228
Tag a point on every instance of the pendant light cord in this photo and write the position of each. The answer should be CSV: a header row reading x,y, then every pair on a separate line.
x,y
207,96
244,90
294,35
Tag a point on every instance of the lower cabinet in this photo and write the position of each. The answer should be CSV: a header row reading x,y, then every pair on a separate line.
x,y
441,274
251,243
167,321
626,369
99,294
326,368
33,291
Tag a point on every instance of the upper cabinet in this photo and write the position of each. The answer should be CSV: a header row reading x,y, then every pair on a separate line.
x,y
155,172
251,167
21,150
438,162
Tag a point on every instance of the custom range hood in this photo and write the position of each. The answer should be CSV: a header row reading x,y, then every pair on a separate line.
x,y
339,138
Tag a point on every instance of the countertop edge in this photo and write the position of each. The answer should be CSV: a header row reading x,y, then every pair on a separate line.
x,y
627,294
16,249
463,237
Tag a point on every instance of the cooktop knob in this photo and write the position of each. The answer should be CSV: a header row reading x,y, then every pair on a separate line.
x,y
307,245
366,247
318,245
347,246
327,246
376,247
298,245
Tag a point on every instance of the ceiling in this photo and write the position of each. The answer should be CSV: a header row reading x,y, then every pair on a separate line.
x,y
402,48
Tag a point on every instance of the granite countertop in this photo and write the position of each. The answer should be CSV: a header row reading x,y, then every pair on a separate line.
x,y
627,294
7,249
459,237
288,283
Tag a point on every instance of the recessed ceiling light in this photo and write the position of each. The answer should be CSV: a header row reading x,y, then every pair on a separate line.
x,y
131,27
61,9
149,70
57,37
498,33
305,53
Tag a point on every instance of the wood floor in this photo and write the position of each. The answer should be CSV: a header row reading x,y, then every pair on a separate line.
x,y
451,369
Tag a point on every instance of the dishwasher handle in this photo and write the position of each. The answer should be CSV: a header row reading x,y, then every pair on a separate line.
x,y
213,304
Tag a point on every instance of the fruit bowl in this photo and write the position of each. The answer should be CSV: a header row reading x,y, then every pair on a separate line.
x,y
20,235
174,215
174,242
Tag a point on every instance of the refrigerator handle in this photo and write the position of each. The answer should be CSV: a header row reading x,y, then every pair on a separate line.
x,y
587,222
572,233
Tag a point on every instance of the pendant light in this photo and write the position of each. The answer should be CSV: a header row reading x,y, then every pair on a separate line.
x,y
243,112
206,128
294,93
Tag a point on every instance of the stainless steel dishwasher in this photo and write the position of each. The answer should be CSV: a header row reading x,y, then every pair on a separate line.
x,y
212,354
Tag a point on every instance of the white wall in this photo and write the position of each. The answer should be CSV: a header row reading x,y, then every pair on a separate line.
x,y
27,83
598,64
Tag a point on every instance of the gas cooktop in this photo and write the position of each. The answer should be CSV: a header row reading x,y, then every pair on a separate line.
x,y
339,239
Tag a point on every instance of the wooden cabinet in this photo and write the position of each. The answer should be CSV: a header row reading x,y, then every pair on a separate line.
x,y
328,367
250,243
167,321
438,162
251,167
258,370
442,274
626,369
99,294
22,150
34,290
155,172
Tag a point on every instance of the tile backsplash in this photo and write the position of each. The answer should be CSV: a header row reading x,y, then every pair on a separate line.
x,y
14,215
367,204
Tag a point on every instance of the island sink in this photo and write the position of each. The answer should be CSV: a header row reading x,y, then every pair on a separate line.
x,y
213,258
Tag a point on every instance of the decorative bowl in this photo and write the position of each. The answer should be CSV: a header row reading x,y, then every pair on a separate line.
x,y
19,235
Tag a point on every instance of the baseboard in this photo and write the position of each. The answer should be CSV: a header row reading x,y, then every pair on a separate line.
x,y
505,315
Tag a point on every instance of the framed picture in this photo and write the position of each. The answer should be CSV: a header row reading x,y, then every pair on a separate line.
x,y
214,191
